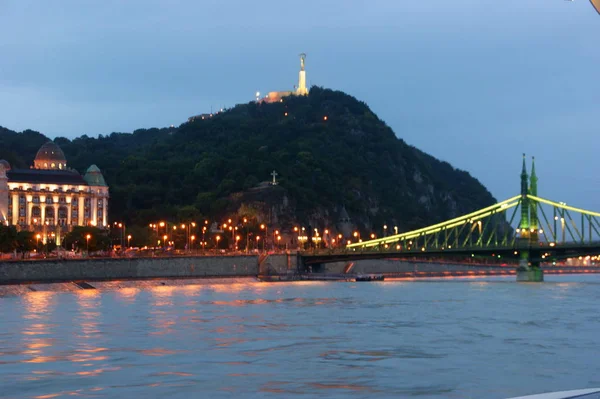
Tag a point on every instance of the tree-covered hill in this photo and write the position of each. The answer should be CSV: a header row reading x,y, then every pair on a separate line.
x,y
329,150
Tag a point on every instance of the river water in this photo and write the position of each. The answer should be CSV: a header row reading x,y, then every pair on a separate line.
x,y
457,338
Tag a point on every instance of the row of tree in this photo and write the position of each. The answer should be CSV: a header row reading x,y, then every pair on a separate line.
x,y
81,238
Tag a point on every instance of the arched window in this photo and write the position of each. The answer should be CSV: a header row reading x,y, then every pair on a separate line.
x,y
45,164
36,212
60,166
53,165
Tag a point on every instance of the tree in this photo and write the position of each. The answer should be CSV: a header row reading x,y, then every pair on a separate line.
x,y
78,239
8,238
25,242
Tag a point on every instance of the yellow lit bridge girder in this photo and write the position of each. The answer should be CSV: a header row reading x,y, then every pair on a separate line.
x,y
482,213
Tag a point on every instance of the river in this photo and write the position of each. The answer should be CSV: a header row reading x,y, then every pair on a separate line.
x,y
452,338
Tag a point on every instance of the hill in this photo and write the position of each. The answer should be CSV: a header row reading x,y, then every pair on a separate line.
x,y
330,152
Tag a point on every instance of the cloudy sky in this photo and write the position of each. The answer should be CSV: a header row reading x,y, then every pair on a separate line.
x,y
473,82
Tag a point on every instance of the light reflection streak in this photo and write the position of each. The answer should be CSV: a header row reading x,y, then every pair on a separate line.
x,y
38,311
163,319
128,294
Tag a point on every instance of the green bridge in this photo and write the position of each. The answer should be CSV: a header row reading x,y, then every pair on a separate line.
x,y
547,231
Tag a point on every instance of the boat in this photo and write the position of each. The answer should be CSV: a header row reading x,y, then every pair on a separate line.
x,y
370,277
593,393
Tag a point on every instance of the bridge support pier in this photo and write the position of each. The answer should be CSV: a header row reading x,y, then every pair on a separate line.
x,y
529,272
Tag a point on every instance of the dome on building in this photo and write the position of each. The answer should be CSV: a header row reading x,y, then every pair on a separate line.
x,y
50,156
93,176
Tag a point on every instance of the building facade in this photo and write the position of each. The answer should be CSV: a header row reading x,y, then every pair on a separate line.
x,y
49,198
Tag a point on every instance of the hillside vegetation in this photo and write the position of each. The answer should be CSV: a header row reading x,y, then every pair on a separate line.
x,y
329,150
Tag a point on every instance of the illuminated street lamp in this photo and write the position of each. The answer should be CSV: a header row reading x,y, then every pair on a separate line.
x,y
218,238
37,241
87,242
128,240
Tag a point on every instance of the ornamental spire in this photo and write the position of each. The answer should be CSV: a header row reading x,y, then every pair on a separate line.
x,y
533,179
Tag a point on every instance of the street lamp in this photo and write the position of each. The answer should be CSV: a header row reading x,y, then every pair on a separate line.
x,y
218,238
37,242
264,227
128,240
87,242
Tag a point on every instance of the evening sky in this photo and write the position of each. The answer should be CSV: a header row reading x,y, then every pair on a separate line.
x,y
472,82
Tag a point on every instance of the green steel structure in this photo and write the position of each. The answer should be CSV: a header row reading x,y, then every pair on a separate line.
x,y
547,231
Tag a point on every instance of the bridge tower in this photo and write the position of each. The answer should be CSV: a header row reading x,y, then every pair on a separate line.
x,y
529,267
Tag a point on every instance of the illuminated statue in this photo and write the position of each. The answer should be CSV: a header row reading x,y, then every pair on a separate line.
x,y
302,90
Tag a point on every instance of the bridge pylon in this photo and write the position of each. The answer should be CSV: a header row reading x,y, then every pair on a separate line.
x,y
529,269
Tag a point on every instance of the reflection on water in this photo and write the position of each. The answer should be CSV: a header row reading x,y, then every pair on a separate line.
x,y
465,338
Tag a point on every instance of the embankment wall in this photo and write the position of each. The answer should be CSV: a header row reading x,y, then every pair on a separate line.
x,y
128,268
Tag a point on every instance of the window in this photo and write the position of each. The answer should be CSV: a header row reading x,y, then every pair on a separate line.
x,y
36,199
21,199
53,165
48,199
62,200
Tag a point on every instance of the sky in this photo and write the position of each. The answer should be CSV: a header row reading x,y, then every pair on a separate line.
x,y
472,82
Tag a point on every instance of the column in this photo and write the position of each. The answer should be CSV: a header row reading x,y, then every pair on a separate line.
x,y
105,212
81,207
15,205
28,214
94,204
69,209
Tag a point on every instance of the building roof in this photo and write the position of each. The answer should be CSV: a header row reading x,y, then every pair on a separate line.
x,y
94,177
50,152
44,176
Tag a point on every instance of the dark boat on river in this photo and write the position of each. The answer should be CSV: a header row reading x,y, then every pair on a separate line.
x,y
370,277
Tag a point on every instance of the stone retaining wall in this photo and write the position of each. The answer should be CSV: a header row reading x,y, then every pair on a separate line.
x,y
130,268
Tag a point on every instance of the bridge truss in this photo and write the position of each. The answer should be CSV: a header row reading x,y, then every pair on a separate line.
x,y
552,230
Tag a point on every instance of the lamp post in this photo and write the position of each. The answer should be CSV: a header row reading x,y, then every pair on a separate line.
x,y
264,227
87,243
192,238
37,242
128,240
257,240
165,241
218,238
245,220
385,230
